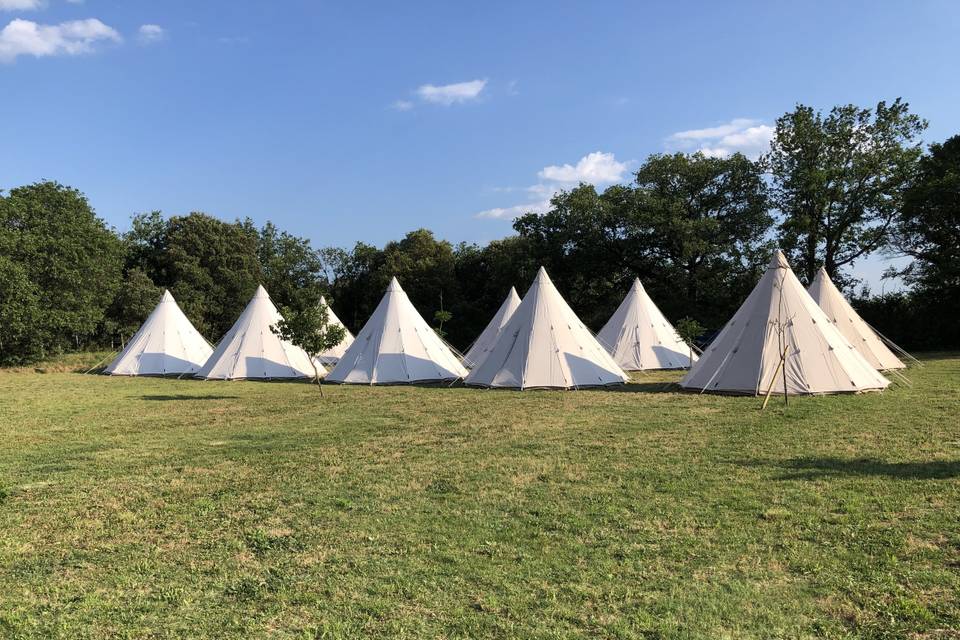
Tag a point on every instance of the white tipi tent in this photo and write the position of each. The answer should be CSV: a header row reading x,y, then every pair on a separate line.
x,y
851,325
745,357
396,346
483,344
166,344
250,350
332,356
544,345
640,338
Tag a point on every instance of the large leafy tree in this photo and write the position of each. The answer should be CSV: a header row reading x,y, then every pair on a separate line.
x,y
586,241
702,223
838,180
426,268
485,275
20,314
357,285
63,267
135,299
928,230
691,227
209,265
292,270
928,227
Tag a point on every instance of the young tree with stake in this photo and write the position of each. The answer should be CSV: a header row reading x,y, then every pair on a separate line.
x,y
309,328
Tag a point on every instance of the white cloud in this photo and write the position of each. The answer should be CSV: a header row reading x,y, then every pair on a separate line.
x,y
597,168
150,33
22,5
515,211
747,136
26,38
402,105
450,94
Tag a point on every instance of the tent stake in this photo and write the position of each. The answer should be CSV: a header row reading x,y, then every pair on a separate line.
x,y
773,379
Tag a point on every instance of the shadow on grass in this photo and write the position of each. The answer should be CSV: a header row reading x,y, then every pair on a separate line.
x,y
630,387
645,387
829,467
178,397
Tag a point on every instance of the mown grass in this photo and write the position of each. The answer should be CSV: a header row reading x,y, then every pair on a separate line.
x,y
159,508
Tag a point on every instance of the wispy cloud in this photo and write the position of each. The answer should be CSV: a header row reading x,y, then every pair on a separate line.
x,y
445,95
744,135
27,38
231,40
150,34
22,5
450,94
597,168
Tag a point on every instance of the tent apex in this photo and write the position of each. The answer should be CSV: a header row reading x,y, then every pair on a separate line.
x,y
779,261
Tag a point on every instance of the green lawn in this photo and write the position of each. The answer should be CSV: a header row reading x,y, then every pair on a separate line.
x,y
158,508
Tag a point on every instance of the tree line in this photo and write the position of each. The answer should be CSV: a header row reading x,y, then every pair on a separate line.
x,y
833,188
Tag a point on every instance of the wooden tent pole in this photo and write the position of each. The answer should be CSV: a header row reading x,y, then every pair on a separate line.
x,y
773,379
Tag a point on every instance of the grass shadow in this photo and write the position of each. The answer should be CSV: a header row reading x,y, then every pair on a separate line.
x,y
644,387
178,397
808,468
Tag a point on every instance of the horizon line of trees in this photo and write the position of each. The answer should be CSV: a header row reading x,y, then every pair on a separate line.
x,y
834,188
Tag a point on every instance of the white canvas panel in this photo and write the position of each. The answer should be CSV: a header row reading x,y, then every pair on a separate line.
x,y
851,325
544,345
396,346
639,337
484,343
251,350
166,344
332,356
743,358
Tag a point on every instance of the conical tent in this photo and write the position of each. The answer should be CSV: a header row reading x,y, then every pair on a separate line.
x,y
851,325
639,337
544,345
166,344
332,356
780,316
483,344
251,350
396,346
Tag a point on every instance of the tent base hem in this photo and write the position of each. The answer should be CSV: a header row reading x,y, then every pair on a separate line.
x,y
792,394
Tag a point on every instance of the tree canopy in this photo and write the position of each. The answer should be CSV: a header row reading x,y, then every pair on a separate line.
x,y
697,230
61,266
838,181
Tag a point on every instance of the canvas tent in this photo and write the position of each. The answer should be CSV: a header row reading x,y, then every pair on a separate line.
x,y
166,344
250,350
779,315
544,345
851,325
396,346
483,344
639,337
332,356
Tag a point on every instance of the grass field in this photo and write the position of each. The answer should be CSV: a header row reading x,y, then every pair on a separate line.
x,y
158,508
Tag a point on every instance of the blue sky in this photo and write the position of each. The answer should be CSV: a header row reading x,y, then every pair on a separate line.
x,y
361,121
